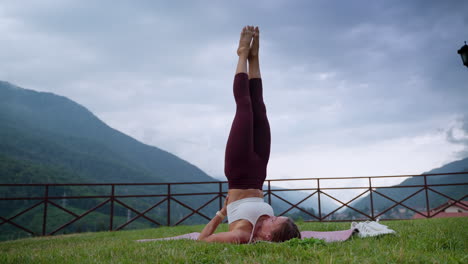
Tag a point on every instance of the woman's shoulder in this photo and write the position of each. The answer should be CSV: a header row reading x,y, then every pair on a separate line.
x,y
243,229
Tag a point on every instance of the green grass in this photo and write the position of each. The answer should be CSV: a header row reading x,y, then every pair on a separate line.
x,y
417,241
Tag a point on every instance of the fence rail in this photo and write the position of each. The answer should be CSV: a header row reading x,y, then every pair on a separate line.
x,y
170,196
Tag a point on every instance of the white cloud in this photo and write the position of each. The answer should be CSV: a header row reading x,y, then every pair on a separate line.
x,y
458,134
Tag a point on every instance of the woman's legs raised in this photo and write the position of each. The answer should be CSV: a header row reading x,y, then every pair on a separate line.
x,y
262,136
248,146
239,148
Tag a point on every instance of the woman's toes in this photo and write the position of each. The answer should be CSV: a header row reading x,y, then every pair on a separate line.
x,y
244,42
253,52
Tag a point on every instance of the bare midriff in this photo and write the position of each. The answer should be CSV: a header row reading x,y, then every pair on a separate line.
x,y
238,194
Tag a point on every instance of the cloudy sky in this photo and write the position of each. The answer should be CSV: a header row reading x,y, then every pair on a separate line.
x,y
352,88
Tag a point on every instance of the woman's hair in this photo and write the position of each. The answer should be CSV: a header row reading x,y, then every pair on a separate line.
x,y
286,231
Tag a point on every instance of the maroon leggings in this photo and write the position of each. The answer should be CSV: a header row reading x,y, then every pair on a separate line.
x,y
248,145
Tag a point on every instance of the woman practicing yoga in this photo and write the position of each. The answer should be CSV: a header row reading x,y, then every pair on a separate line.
x,y
247,153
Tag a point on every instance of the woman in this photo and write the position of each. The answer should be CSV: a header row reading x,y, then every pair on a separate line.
x,y
247,153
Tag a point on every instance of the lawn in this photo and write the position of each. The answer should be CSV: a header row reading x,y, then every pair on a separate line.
x,y
417,241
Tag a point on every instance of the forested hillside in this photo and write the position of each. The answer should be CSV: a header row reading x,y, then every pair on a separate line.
x,y
46,138
50,129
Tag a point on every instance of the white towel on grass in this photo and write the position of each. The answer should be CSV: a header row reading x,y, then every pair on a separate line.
x,y
369,229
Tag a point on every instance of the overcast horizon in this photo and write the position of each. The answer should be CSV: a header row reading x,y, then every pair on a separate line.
x,y
351,88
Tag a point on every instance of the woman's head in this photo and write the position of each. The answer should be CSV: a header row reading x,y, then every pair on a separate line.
x,y
279,229
286,230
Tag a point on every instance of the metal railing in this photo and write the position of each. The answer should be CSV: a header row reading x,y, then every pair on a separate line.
x,y
170,196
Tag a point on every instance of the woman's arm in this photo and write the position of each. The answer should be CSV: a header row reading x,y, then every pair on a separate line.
x,y
211,226
236,237
226,237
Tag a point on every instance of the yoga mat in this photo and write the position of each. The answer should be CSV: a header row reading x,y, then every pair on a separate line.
x,y
364,229
332,236
191,236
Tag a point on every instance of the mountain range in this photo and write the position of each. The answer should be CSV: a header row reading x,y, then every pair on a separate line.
x,y
47,138
417,201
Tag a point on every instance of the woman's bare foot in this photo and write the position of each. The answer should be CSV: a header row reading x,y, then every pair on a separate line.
x,y
244,42
255,44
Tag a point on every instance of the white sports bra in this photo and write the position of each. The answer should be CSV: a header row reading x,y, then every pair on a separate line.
x,y
249,209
